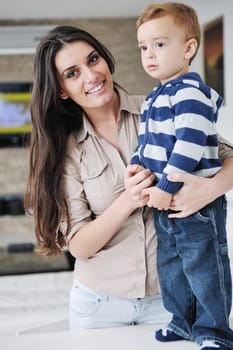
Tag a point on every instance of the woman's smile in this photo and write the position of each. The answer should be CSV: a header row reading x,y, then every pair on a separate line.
x,y
84,75
96,89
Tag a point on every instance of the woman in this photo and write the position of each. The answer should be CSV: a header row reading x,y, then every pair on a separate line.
x,y
84,132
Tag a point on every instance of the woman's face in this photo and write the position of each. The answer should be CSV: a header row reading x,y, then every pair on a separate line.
x,y
84,75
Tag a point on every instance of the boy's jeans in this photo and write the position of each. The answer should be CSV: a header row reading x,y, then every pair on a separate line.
x,y
194,273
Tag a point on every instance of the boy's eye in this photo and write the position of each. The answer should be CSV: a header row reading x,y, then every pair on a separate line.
x,y
159,45
143,48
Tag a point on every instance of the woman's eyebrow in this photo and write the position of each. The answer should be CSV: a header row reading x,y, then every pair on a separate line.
x,y
74,66
67,69
91,53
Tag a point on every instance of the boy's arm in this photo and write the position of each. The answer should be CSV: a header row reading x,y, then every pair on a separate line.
x,y
192,129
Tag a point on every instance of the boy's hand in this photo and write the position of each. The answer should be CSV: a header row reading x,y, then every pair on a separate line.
x,y
157,198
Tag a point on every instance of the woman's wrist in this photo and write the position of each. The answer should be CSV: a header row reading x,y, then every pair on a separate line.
x,y
127,202
222,182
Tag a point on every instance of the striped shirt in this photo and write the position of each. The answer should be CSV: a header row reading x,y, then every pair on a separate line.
x,y
178,130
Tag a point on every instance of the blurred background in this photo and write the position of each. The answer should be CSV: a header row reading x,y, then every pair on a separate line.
x,y
113,23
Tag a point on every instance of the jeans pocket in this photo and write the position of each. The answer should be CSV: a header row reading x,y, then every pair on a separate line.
x,y
84,303
213,210
202,216
223,249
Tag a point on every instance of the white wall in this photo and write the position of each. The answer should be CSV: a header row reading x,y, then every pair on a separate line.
x,y
207,14
207,10
226,118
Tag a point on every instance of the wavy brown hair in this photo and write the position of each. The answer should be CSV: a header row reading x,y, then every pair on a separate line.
x,y
53,119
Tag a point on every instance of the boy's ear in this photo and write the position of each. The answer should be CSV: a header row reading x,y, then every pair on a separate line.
x,y
191,48
63,95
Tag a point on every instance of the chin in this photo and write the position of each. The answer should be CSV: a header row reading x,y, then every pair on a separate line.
x,y
153,75
103,100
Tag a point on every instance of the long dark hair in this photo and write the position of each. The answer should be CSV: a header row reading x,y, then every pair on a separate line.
x,y
53,119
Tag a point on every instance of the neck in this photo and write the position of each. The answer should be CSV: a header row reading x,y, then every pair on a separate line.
x,y
104,121
177,74
107,114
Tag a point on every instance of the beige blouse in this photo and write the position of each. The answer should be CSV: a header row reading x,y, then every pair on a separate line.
x,y
94,178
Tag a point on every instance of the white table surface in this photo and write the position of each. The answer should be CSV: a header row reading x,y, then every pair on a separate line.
x,y
124,338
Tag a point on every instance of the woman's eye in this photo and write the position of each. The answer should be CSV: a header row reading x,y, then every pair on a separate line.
x,y
94,58
72,74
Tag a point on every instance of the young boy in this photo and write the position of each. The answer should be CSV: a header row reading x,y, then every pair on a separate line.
x,y
177,134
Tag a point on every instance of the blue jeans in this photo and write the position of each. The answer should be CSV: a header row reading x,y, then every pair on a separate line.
x,y
194,273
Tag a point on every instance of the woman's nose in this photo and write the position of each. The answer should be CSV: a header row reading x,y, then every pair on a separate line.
x,y
89,74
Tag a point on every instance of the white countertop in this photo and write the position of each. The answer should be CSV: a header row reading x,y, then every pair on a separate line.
x,y
124,338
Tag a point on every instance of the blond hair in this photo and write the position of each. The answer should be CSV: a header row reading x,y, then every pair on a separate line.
x,y
183,15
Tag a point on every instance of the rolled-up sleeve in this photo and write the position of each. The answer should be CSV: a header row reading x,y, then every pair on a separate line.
x,y
225,148
77,204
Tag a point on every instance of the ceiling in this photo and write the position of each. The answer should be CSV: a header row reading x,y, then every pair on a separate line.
x,y
42,9
23,39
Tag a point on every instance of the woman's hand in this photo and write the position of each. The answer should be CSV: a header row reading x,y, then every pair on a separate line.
x,y
199,191
195,193
137,178
94,235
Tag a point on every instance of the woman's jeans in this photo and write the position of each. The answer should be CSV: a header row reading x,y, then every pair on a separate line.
x,y
194,273
90,309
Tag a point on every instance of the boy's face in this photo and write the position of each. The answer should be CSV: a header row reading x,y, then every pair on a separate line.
x,y
165,53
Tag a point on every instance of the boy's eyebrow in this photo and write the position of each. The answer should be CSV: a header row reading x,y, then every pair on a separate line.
x,y
155,38
161,37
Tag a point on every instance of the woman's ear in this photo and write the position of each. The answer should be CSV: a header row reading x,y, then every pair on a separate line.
x,y
191,48
63,95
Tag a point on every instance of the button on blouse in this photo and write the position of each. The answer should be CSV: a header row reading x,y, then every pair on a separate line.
x,y
93,179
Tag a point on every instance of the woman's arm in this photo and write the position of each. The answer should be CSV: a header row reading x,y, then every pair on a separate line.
x,y
94,235
199,191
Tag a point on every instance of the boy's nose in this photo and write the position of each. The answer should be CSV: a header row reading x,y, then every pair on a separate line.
x,y
150,53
